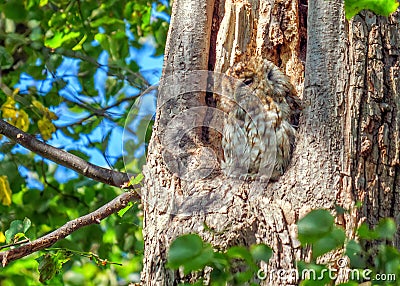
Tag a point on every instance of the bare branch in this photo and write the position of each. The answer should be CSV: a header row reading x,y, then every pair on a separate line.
x,y
48,240
103,111
103,175
15,243
135,79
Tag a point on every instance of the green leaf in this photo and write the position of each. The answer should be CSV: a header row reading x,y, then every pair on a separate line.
x,y
200,261
16,39
136,180
133,66
380,7
365,233
314,225
26,224
184,248
190,252
47,268
160,36
106,20
315,274
16,230
243,277
37,72
6,59
50,264
125,209
261,252
15,10
388,259
219,277
103,40
329,242
220,261
386,228
59,38
354,253
240,252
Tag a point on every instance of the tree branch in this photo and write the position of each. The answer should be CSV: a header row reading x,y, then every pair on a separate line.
x,y
103,111
68,160
48,240
135,79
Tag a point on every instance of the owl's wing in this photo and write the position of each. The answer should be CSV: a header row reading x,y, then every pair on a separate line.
x,y
262,143
236,148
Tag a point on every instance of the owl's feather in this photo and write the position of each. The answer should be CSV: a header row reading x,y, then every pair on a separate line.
x,y
261,107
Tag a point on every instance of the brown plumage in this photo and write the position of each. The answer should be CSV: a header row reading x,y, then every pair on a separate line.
x,y
262,109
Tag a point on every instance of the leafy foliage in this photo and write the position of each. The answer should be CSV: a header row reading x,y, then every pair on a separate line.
x,y
380,7
69,75
318,229
237,265
17,230
51,264
370,256
367,258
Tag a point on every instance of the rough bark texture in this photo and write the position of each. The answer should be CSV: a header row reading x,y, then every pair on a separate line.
x,y
348,138
372,116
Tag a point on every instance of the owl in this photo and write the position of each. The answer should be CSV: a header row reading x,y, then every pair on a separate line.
x,y
261,112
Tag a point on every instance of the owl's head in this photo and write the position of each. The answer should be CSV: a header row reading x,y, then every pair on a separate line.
x,y
262,77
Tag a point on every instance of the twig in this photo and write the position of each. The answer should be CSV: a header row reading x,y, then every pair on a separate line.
x,y
15,243
48,240
102,111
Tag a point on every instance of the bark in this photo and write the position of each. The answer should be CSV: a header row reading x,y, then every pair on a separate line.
x,y
348,137
372,119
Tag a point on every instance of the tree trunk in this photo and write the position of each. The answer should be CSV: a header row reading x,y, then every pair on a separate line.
x,y
347,146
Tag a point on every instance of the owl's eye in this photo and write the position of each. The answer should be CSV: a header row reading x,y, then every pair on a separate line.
x,y
248,81
270,75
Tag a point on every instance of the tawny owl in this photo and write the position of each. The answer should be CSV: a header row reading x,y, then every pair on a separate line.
x,y
261,110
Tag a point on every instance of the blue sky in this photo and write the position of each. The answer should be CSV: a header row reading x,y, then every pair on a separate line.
x,y
150,68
